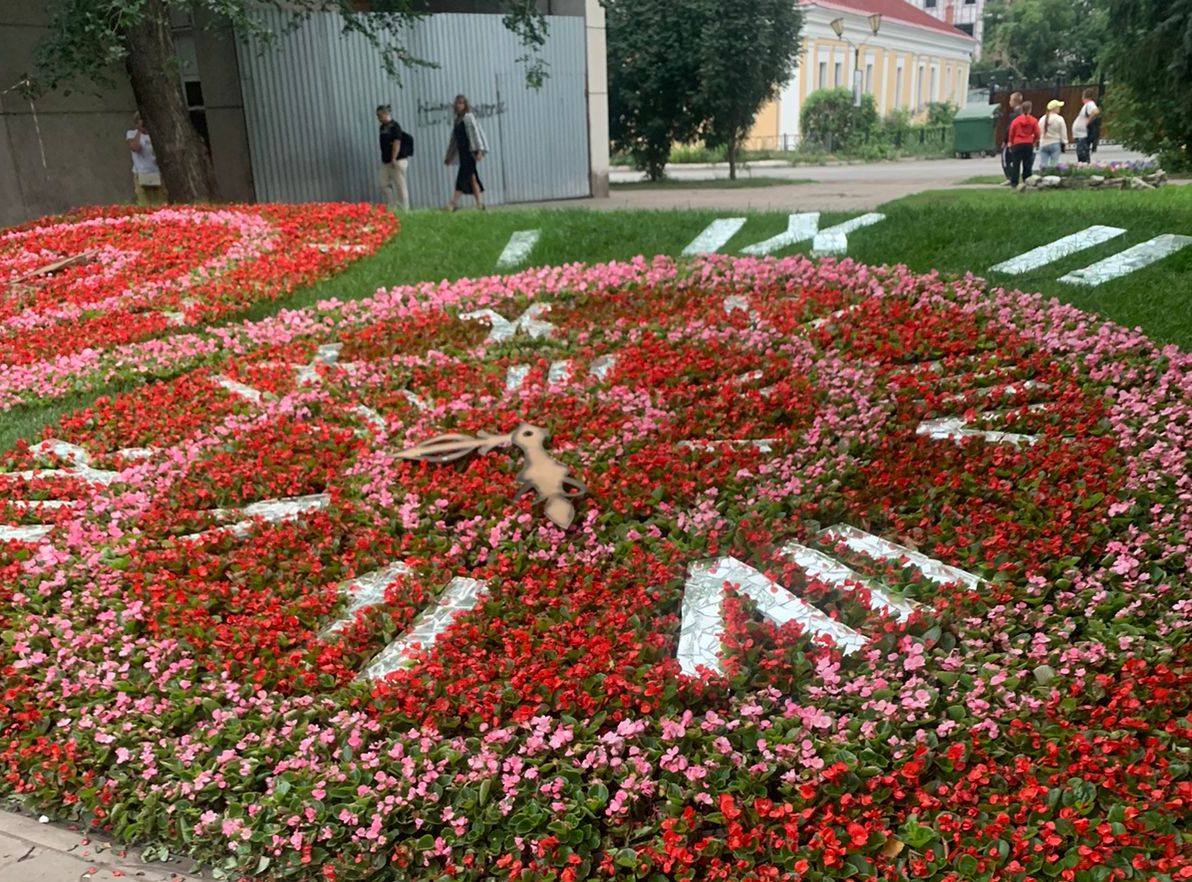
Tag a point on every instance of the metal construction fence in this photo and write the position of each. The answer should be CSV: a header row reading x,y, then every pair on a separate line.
x,y
309,103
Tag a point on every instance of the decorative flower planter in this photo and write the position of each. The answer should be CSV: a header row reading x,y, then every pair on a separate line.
x,y
1090,181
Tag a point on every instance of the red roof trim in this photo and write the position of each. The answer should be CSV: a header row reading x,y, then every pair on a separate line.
x,y
898,10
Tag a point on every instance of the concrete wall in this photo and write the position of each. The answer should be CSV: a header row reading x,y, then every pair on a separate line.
x,y
81,134
64,150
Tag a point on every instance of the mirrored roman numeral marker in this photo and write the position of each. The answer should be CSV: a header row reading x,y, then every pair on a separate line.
x,y
79,468
1125,262
364,592
503,329
825,569
461,595
799,228
834,240
714,236
883,549
518,248
271,511
701,634
1056,250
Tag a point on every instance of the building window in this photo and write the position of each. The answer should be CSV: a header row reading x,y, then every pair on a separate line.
x,y
823,75
970,2
898,86
931,92
869,77
838,73
967,27
919,88
192,91
929,4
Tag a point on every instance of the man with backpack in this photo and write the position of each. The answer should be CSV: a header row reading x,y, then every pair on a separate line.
x,y
397,146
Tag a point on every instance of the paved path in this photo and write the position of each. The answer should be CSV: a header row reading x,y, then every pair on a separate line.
x,y
852,187
42,852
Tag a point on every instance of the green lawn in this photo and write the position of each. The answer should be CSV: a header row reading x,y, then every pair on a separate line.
x,y
954,231
716,184
984,179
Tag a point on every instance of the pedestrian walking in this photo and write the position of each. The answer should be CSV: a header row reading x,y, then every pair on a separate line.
x,y
468,147
397,146
1023,136
1053,135
1086,127
146,176
1013,114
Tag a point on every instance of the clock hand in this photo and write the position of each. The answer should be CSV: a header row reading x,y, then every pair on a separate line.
x,y
544,474
450,447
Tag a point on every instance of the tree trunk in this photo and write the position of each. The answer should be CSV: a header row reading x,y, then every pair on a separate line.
x,y
152,64
732,159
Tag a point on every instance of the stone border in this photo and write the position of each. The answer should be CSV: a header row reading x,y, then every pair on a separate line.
x,y
1150,181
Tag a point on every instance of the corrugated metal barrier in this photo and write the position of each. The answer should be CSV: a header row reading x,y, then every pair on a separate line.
x,y
309,103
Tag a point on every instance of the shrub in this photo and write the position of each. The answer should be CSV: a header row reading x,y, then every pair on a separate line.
x,y
941,113
831,122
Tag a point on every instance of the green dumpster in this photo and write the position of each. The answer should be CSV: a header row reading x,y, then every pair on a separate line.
x,y
973,128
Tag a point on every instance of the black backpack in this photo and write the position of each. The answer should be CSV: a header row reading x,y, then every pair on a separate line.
x,y
405,146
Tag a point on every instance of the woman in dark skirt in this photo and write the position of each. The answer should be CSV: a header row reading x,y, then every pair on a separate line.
x,y
467,147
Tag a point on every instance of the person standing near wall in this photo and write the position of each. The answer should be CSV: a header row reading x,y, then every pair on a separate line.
x,y
1013,114
146,176
1088,119
1023,136
468,147
1053,134
396,148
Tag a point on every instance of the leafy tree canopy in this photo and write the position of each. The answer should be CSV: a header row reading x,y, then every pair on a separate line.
x,y
747,51
1148,56
699,70
1045,39
88,38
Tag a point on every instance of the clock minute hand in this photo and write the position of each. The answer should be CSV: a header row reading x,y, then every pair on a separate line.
x,y
450,447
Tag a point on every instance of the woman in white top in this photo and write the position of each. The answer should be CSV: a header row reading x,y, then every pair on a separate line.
x,y
1053,135
146,176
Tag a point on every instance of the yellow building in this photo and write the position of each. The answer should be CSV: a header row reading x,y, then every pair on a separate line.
x,y
912,60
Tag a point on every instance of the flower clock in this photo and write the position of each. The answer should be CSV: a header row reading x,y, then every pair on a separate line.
x,y
825,571
85,297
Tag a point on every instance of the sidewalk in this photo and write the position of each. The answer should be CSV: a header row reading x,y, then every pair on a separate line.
x,y
31,851
838,187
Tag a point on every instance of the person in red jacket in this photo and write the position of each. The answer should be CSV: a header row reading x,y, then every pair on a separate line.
x,y
1022,137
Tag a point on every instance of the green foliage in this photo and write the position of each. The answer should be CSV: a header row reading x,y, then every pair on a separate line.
x,y
652,79
1045,39
702,73
941,113
1149,56
87,38
747,50
830,122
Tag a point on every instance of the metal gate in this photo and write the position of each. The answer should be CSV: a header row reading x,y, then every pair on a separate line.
x,y
309,104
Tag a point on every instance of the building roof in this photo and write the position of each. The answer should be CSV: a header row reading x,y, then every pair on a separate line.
x,y
898,10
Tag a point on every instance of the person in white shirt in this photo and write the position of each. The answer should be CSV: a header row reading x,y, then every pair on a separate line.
x,y
1053,135
1087,120
146,176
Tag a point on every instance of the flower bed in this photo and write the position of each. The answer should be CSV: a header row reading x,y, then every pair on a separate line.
x,y
83,286
190,676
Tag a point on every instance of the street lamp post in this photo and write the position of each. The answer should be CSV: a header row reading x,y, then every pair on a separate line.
x,y
875,22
